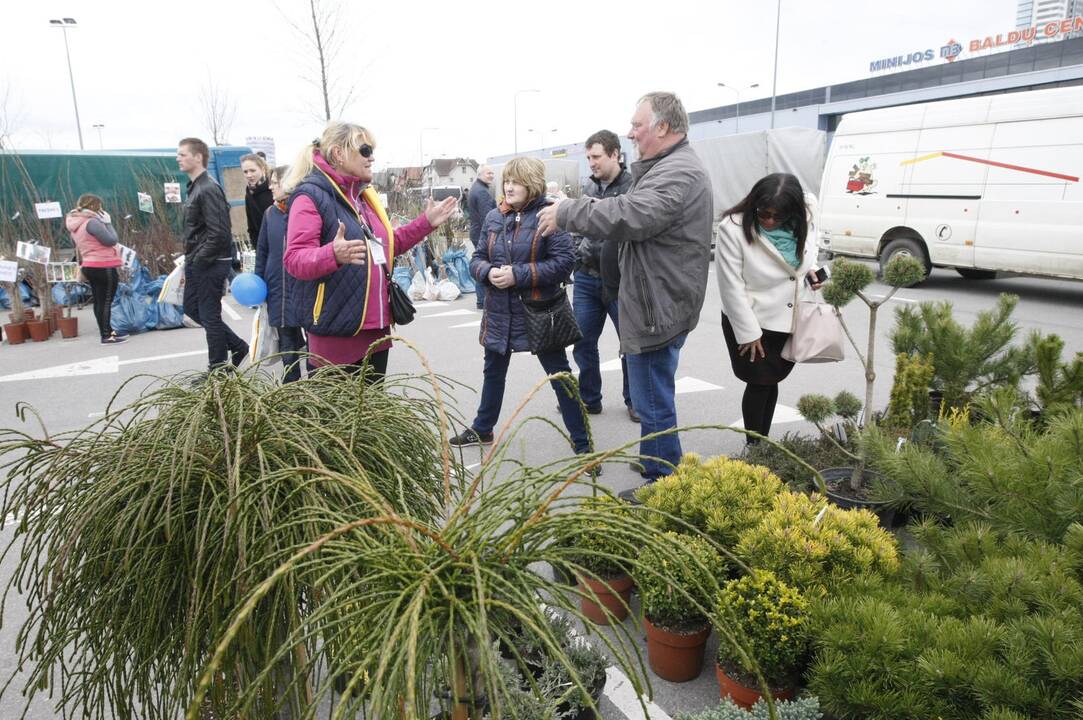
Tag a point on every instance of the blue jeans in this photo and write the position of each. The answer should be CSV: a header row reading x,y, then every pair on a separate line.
x,y
590,312
652,378
492,395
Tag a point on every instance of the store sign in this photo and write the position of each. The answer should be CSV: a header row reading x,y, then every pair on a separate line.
x,y
1028,35
951,50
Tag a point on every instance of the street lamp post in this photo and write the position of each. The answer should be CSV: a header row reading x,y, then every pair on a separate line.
x,y
515,142
98,127
774,81
541,135
64,24
737,124
421,152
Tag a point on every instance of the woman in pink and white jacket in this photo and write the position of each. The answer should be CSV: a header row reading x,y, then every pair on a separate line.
x,y
340,248
96,243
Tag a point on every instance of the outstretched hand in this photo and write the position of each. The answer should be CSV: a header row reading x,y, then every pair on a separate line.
x,y
547,219
347,252
438,213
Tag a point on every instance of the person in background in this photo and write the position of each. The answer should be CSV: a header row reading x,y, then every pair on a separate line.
x,y
516,258
257,193
663,224
597,274
269,265
480,202
340,248
766,253
208,255
96,243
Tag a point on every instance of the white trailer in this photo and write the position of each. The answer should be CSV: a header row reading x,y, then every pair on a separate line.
x,y
982,184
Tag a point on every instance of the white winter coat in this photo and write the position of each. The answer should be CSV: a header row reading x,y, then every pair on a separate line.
x,y
759,288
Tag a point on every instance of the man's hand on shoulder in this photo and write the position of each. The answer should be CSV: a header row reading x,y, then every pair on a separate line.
x,y
547,218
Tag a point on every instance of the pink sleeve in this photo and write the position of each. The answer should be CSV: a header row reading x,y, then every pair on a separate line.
x,y
304,258
412,233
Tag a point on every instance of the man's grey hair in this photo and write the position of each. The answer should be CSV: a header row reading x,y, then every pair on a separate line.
x,y
483,168
667,107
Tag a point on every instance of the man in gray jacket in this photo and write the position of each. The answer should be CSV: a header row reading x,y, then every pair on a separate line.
x,y
663,225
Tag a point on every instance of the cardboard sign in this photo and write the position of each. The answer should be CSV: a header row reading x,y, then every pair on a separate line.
x,y
48,210
172,192
9,271
61,272
32,252
127,254
145,203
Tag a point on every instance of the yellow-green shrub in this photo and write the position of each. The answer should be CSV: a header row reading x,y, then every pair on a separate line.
x,y
814,552
720,496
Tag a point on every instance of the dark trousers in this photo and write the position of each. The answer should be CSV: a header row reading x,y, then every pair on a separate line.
x,y
103,286
590,314
291,341
758,409
203,291
492,395
377,367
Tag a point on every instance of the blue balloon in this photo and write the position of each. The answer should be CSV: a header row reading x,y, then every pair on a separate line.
x,y
248,289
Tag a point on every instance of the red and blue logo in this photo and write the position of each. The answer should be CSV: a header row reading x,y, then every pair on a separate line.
x,y
951,51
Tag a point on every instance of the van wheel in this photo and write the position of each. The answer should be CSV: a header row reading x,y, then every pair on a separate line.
x,y
972,274
906,247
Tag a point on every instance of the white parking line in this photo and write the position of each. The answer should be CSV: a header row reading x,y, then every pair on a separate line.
x,y
621,692
896,297
233,314
476,323
451,313
154,358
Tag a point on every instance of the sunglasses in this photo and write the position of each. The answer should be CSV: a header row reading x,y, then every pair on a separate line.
x,y
366,150
766,215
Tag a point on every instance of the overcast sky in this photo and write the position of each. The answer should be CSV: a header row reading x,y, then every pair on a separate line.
x,y
453,66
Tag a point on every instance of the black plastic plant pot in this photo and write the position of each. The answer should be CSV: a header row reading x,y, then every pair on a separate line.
x,y
840,477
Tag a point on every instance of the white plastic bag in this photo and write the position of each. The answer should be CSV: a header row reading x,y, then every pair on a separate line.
x,y
173,287
417,286
264,339
430,286
447,290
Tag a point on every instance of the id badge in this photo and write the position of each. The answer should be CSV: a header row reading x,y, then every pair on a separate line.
x,y
378,256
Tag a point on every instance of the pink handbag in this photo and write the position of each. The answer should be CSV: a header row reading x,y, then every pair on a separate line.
x,y
817,334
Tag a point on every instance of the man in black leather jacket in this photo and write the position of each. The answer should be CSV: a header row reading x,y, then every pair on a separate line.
x,y
597,275
208,255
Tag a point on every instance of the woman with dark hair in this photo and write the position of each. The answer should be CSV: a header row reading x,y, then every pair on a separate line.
x,y
765,254
96,244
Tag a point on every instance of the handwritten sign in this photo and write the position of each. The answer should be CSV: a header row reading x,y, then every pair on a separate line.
x,y
48,210
9,271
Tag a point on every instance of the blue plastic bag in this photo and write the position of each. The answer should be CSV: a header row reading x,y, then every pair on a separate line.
x,y
29,298
402,277
5,299
129,311
458,270
170,316
70,293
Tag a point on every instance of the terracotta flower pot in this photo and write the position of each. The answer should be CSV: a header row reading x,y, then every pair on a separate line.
x,y
69,326
16,333
745,696
26,315
677,657
39,330
613,593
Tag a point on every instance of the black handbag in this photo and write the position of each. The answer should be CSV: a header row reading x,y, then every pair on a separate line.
x,y
402,309
550,323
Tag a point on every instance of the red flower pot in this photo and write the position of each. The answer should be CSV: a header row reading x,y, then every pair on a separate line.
x,y
39,330
745,696
69,326
16,333
613,593
673,656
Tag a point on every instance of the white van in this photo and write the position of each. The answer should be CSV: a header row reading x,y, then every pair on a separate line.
x,y
981,184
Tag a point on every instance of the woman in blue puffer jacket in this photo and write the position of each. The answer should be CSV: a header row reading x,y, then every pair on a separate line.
x,y
512,257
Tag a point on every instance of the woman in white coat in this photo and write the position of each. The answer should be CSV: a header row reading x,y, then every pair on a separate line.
x,y
765,255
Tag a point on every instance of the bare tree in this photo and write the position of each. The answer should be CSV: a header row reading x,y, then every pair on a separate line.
x,y
10,117
323,44
219,110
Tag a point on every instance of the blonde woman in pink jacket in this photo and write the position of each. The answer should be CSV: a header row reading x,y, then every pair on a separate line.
x,y
96,243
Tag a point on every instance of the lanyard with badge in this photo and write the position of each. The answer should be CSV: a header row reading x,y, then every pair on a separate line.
x,y
375,247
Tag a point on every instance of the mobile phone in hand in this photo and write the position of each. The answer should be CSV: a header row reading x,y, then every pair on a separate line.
x,y
820,275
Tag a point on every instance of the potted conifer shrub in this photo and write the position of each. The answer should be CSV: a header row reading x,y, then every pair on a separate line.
x,y
675,615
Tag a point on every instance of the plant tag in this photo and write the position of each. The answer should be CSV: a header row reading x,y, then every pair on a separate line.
x,y
819,516
840,433
9,271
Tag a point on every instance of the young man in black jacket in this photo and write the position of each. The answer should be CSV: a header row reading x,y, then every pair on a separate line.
x,y
208,255
597,275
